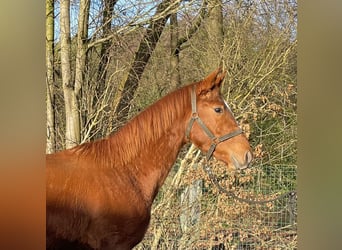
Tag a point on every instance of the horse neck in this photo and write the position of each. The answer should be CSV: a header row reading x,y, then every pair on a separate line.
x,y
157,162
150,143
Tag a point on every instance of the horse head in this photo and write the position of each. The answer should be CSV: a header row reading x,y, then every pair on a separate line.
x,y
213,128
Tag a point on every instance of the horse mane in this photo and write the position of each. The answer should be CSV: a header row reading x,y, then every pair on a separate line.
x,y
123,146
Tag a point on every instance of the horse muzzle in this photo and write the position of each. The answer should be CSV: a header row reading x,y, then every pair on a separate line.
x,y
246,161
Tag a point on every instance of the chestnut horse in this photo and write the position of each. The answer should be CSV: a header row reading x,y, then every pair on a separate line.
x,y
99,194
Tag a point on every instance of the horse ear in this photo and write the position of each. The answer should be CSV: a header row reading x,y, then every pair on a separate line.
x,y
211,82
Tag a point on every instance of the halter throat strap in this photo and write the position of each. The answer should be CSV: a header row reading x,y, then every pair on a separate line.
x,y
195,117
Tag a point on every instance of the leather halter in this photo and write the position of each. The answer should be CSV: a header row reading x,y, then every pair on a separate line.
x,y
214,140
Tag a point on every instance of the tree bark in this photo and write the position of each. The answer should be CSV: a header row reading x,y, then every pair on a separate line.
x,y
142,56
175,49
81,56
49,58
72,122
215,21
214,34
176,42
81,50
107,16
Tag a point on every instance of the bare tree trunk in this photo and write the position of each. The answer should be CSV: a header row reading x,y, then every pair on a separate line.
x,y
72,130
214,34
81,49
191,205
215,21
142,56
101,81
104,54
81,54
49,57
176,42
174,59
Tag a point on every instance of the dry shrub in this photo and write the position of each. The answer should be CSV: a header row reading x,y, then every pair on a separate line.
x,y
213,218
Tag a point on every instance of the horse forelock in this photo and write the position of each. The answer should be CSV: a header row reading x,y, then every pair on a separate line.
x,y
147,127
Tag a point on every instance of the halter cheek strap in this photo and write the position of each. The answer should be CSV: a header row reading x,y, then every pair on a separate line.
x,y
214,140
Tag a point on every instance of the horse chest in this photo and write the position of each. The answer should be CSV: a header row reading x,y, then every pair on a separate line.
x,y
120,214
119,225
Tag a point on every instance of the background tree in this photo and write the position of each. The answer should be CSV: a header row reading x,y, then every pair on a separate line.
x,y
49,59
175,80
142,56
72,119
107,17
214,30
176,42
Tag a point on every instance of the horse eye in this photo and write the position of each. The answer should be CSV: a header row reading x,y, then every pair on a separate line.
x,y
218,110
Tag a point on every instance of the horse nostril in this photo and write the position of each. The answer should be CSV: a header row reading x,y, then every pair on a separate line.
x,y
248,157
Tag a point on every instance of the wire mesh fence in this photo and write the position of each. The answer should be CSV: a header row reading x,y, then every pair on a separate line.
x,y
191,213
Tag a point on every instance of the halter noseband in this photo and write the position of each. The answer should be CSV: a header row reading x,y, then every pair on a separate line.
x,y
214,140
